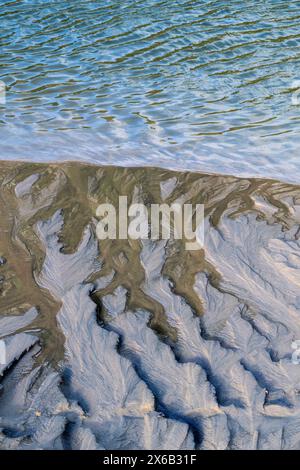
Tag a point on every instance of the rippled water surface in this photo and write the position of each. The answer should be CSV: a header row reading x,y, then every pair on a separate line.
x,y
202,85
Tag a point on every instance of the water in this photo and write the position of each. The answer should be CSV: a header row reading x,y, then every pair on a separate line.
x,y
199,85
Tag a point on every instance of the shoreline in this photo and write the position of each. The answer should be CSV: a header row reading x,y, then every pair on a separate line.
x,y
188,330
171,171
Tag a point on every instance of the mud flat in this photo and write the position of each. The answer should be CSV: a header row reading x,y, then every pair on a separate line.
x,y
129,344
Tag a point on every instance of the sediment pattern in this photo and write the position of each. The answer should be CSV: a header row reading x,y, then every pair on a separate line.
x,y
155,347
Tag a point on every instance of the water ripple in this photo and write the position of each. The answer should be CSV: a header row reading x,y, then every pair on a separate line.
x,y
204,84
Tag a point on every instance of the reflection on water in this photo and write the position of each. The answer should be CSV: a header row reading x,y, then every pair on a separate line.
x,y
208,85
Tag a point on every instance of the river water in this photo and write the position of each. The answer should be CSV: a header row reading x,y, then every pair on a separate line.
x,y
209,86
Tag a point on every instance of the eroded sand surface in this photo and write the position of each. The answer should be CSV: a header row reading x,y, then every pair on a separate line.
x,y
124,344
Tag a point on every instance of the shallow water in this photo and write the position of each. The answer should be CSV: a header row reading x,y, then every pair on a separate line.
x,y
209,86
201,343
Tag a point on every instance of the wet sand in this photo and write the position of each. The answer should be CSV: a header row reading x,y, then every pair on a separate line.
x,y
77,189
